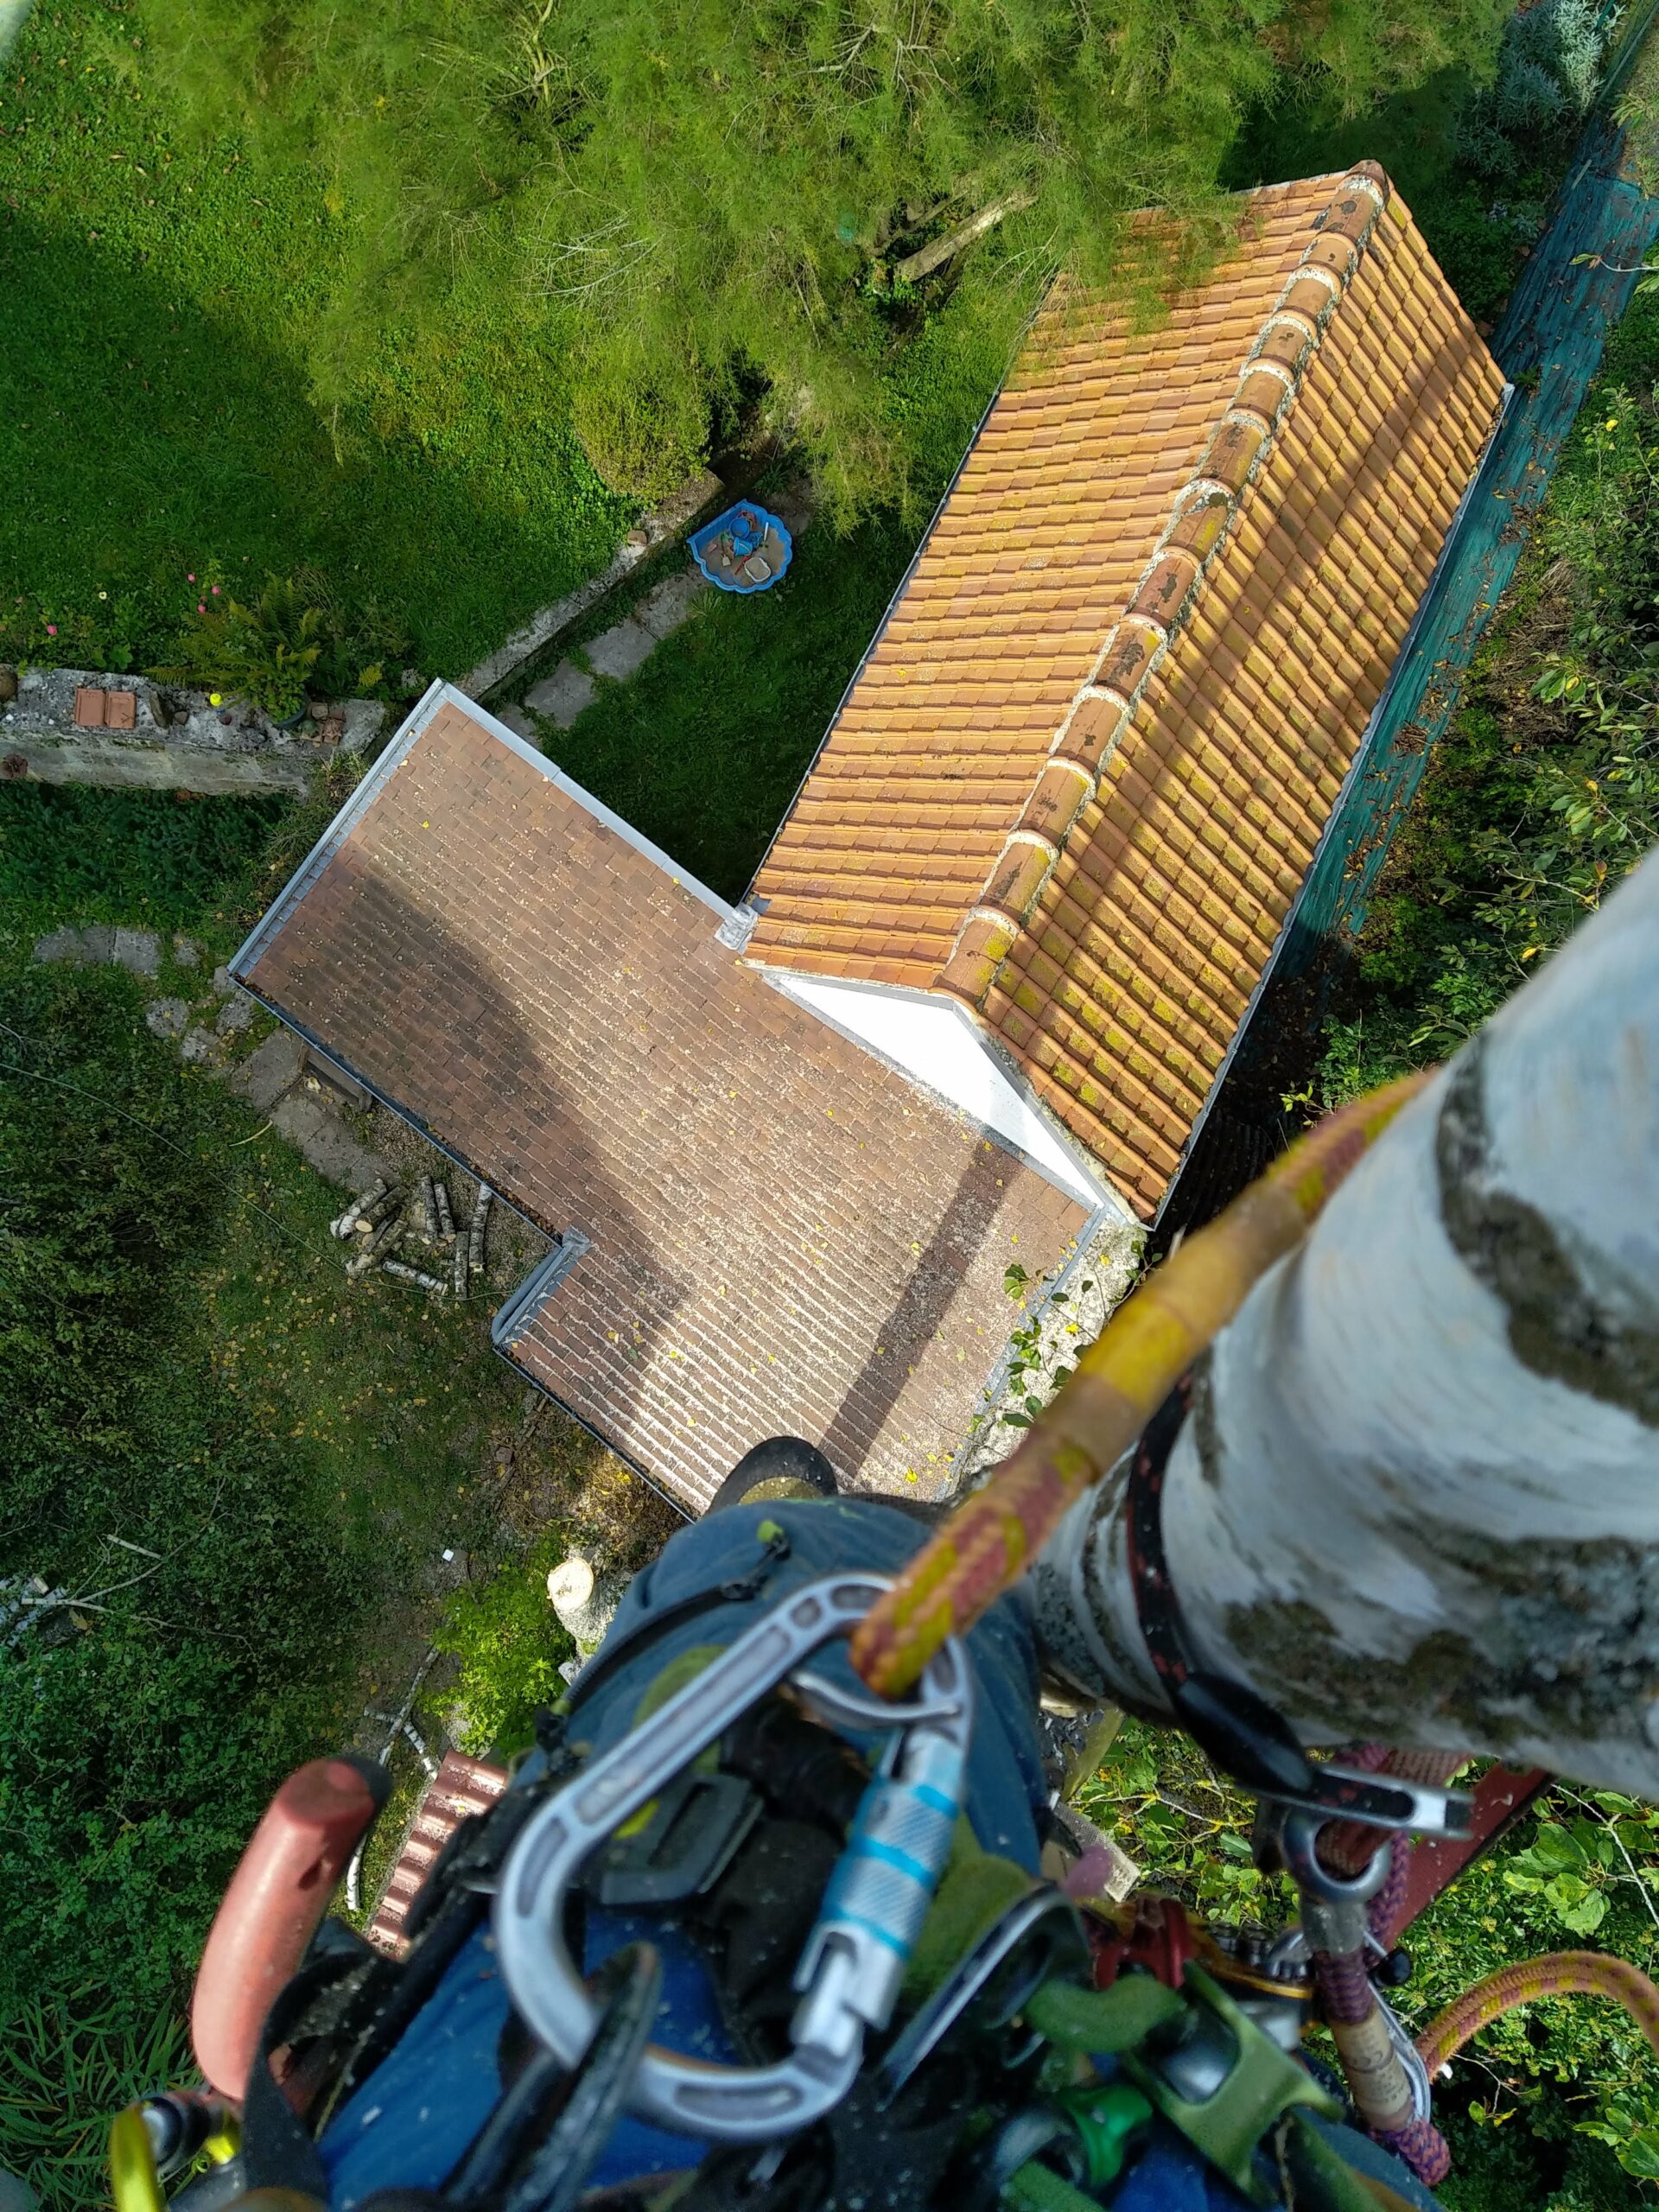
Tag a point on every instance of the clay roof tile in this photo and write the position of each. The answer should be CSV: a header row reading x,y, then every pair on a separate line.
x,y
1180,558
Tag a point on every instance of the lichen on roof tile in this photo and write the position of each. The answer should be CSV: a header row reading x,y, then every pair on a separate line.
x,y
1182,555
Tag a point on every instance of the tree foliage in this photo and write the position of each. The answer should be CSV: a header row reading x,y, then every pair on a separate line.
x,y
698,198
1546,791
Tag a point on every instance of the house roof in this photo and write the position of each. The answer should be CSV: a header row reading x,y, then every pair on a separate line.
x,y
782,1234
463,1788
1081,776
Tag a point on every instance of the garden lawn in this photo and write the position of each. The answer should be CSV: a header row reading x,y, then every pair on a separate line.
x,y
156,416
244,1468
703,748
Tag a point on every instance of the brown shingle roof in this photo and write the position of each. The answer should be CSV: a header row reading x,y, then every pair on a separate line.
x,y
1081,777
783,1234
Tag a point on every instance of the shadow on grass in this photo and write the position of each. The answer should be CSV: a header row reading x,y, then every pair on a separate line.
x,y
703,748
142,439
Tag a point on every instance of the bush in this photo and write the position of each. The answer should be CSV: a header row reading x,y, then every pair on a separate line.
x,y
640,439
1549,67
676,193
1545,790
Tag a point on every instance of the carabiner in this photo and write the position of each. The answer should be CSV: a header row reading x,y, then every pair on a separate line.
x,y
871,1913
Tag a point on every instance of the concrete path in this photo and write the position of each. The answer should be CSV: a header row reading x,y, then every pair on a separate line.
x,y
619,652
300,1097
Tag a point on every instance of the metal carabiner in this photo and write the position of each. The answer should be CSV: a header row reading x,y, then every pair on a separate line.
x,y
871,1913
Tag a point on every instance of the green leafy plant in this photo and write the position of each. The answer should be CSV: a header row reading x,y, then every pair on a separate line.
x,y
683,200
507,1638
1545,790
1549,67
71,2061
266,651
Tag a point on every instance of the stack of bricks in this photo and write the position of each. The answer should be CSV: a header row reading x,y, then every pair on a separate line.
x,y
464,1788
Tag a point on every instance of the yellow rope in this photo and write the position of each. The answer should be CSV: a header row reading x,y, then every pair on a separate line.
x,y
1119,1383
1556,1973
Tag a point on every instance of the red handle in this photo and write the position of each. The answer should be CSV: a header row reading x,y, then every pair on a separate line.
x,y
273,1907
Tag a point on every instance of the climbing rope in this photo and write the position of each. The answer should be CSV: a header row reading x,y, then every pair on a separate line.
x,y
1117,1386
1556,1973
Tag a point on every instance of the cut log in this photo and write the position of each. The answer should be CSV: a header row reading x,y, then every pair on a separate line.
x,y
927,258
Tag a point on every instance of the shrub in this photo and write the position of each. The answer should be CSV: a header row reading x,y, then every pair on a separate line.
x,y
671,193
1549,67
214,1607
1529,813
265,653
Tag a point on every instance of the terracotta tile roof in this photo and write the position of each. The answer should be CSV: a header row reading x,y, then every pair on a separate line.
x,y
462,1788
1080,778
783,1234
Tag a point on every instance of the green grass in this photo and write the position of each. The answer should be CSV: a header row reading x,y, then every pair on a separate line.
x,y
89,856
703,748
184,1368
156,416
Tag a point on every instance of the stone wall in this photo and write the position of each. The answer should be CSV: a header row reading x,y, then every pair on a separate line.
x,y
178,740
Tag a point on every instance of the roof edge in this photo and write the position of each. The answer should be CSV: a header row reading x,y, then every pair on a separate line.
x,y
1200,520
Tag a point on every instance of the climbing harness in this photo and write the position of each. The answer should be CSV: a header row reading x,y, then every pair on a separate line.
x,y
1032,2062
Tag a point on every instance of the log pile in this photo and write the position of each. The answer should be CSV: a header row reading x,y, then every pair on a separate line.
x,y
378,1220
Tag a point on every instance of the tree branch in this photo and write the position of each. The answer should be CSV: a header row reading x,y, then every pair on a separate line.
x,y
927,258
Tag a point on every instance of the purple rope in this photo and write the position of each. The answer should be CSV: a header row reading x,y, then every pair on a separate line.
x,y
1344,1986
1385,1905
1348,1998
1421,2145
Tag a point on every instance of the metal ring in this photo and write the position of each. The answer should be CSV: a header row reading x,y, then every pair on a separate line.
x,y
729,2104
1298,1839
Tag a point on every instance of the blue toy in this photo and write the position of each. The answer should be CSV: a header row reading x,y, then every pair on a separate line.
x,y
745,549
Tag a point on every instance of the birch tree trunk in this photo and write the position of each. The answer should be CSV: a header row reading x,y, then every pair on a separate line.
x,y
1418,1499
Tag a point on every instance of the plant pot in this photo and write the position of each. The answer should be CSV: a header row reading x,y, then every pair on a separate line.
x,y
292,721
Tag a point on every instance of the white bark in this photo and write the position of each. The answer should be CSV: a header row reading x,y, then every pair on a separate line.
x,y
1418,1497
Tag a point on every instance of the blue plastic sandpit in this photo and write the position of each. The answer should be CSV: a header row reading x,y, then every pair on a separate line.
x,y
745,549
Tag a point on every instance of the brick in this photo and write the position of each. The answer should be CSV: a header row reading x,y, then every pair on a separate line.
x,y
90,704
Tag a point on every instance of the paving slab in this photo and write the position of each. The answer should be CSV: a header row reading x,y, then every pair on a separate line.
x,y
168,1017
518,722
270,1071
563,696
618,651
200,1047
185,955
60,945
664,608
235,1014
139,952
326,1142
